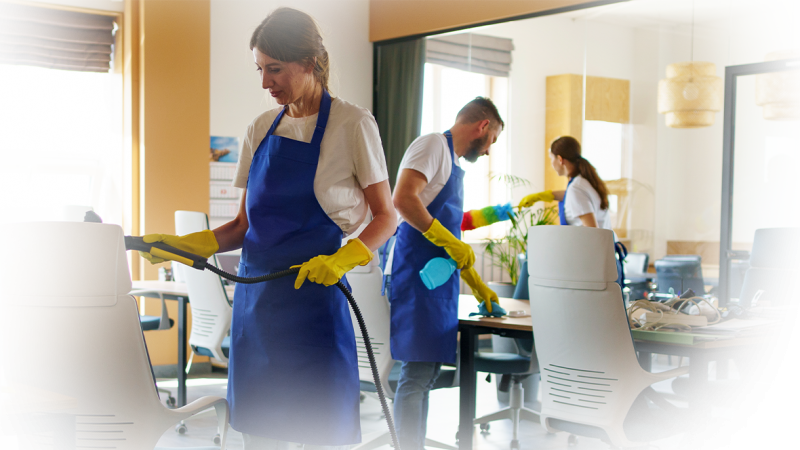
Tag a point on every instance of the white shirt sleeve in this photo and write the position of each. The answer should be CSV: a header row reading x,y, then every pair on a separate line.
x,y
423,157
578,202
369,160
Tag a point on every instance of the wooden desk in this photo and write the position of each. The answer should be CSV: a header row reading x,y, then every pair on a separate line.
x,y
18,418
172,290
701,354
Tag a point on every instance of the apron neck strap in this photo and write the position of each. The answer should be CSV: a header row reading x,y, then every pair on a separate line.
x,y
449,137
322,118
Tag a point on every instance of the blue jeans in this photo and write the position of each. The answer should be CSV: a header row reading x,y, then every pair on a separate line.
x,y
411,402
252,442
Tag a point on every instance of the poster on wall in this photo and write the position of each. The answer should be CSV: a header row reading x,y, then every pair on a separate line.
x,y
224,149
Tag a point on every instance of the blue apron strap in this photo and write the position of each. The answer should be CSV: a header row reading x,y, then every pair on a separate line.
x,y
562,214
621,253
322,118
386,249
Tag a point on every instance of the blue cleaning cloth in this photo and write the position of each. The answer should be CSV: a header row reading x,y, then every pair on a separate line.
x,y
497,311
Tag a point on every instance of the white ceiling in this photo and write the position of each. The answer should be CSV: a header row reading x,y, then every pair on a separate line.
x,y
645,13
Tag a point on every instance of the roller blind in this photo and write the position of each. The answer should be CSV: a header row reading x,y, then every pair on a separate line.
x,y
55,39
471,52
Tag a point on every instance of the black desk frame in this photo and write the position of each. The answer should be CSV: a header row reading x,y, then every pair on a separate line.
x,y
183,302
698,375
62,425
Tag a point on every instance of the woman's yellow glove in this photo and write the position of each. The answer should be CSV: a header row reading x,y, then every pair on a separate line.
x,y
202,243
461,252
528,200
481,292
329,269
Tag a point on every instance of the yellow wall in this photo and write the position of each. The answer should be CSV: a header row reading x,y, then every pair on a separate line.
x,y
172,38
391,19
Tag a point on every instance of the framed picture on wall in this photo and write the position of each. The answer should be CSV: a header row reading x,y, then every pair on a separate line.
x,y
224,149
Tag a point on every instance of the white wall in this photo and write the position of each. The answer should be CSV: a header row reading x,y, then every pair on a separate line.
x,y
236,94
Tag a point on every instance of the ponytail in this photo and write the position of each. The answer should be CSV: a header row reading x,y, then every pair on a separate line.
x,y
569,149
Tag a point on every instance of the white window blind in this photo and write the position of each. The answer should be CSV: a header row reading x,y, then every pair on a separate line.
x,y
471,52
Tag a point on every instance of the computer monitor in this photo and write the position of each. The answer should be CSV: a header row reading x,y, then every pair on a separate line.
x,y
680,274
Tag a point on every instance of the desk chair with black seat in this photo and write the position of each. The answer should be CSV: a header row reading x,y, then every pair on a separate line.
x,y
365,282
87,326
77,213
680,272
592,383
514,361
774,265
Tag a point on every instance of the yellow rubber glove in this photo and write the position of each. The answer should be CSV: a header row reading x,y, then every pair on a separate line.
x,y
202,243
481,292
329,269
461,252
528,200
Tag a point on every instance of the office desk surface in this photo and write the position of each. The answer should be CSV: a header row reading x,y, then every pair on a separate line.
x,y
29,399
467,304
169,288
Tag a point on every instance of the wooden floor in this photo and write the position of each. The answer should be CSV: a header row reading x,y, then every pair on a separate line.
x,y
710,433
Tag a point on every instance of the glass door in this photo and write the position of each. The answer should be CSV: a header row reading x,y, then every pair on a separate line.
x,y
760,161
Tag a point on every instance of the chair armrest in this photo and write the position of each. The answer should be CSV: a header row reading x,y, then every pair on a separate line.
x,y
667,374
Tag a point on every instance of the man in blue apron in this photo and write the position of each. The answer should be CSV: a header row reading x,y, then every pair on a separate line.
x,y
429,197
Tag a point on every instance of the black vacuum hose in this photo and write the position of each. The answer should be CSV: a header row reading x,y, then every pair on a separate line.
x,y
373,365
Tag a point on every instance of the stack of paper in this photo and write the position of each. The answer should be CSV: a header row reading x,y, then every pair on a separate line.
x,y
749,327
775,312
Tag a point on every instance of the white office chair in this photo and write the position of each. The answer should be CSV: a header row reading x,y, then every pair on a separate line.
x,y
366,282
82,337
590,375
211,307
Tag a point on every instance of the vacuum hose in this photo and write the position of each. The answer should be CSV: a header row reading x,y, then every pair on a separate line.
x,y
198,262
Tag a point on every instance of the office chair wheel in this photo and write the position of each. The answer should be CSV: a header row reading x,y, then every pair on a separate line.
x,y
181,428
572,441
362,397
171,403
485,428
515,444
217,439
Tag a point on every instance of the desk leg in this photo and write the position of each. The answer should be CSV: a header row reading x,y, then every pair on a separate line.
x,y
181,351
467,387
698,400
646,360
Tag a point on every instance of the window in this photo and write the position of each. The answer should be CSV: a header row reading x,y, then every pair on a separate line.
x,y
445,92
62,143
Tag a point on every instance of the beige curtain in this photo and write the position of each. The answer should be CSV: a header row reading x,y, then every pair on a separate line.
x,y
55,39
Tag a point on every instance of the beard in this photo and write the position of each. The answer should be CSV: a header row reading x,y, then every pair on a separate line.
x,y
475,147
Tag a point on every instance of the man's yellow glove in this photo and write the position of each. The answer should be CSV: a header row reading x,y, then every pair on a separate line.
x,y
461,252
202,243
528,200
329,269
481,292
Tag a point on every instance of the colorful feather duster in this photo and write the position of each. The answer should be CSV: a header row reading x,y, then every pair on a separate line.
x,y
477,218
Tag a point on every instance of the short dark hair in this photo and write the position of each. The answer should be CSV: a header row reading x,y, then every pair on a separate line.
x,y
482,108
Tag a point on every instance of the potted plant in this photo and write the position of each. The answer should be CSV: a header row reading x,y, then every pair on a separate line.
x,y
508,252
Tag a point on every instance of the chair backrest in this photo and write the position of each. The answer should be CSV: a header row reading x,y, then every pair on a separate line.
x,y
637,262
680,272
366,284
774,266
211,312
590,374
75,330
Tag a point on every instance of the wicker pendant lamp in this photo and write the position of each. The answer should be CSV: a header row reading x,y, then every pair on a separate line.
x,y
779,92
691,94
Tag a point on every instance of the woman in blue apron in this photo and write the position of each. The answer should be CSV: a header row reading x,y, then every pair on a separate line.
x,y
585,201
293,370
424,323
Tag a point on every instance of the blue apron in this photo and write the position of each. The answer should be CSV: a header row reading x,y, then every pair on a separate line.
x,y
293,372
425,322
619,249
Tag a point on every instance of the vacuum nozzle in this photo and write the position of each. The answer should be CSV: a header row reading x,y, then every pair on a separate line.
x,y
165,251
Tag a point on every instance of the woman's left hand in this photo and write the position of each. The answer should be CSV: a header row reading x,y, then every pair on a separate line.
x,y
329,269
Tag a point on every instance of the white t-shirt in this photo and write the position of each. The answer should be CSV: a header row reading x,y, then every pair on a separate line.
x,y
351,158
430,156
583,199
